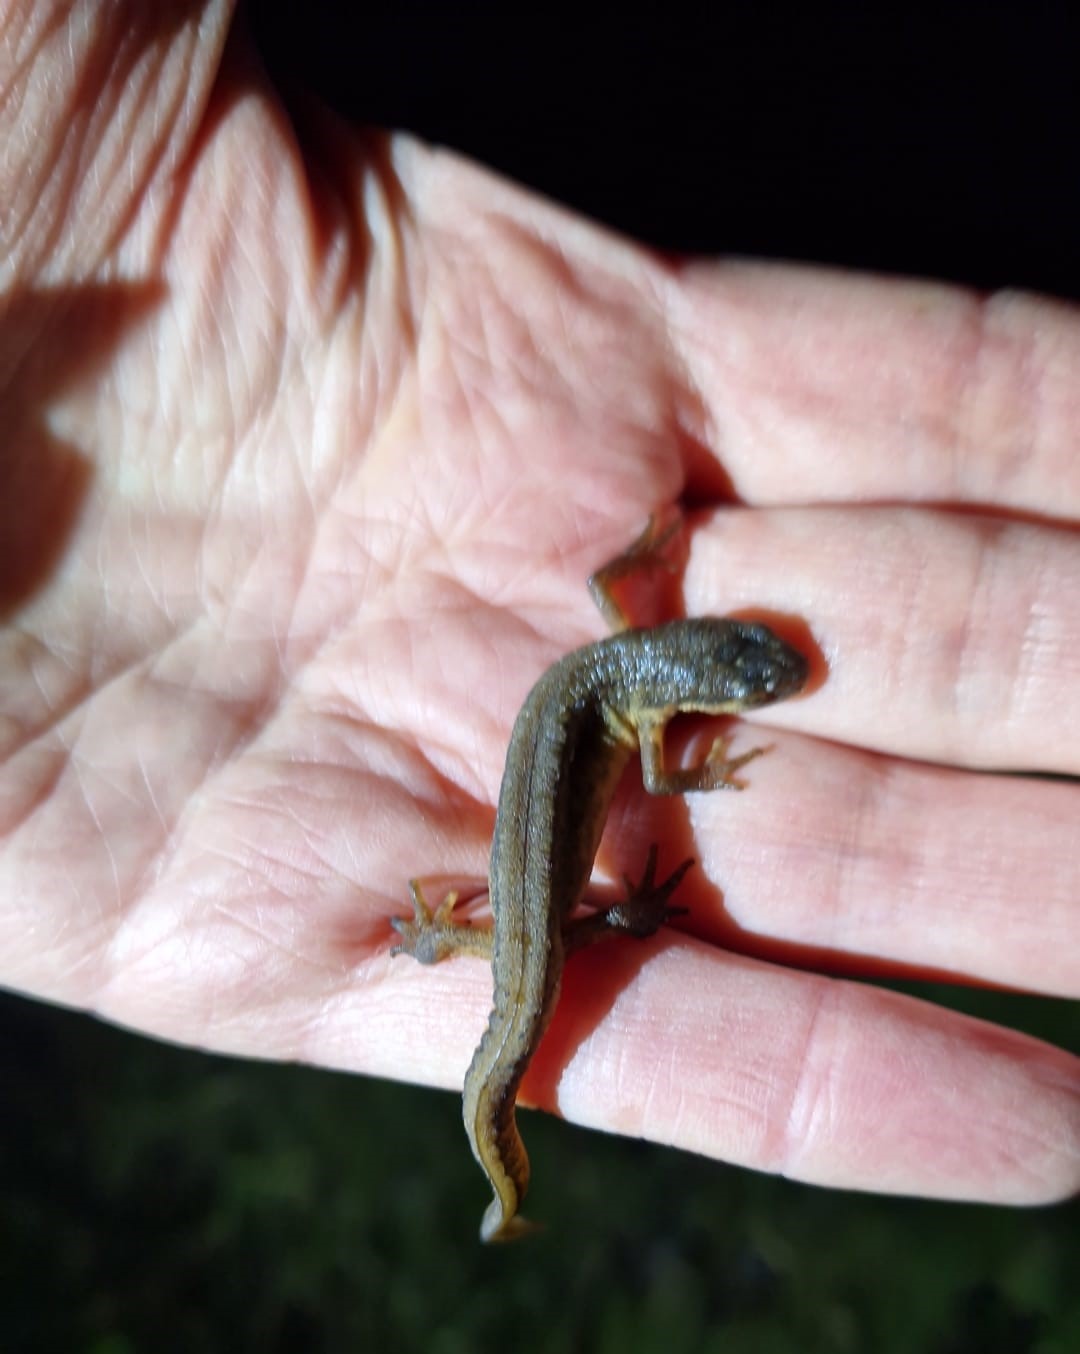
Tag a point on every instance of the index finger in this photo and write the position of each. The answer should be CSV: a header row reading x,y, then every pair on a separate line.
x,y
825,387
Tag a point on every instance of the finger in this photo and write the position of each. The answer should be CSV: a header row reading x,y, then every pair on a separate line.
x,y
821,1080
895,862
947,636
824,386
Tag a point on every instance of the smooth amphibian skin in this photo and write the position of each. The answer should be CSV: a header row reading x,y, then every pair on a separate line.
x,y
581,723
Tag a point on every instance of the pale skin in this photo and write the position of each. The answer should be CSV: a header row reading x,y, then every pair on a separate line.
x,y
311,441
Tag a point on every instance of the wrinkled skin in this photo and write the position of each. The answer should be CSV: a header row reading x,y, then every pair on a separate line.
x,y
311,440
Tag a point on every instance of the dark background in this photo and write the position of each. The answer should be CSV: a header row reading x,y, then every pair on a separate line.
x,y
941,141
156,1198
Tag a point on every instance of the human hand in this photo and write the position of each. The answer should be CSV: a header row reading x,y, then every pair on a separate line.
x,y
312,440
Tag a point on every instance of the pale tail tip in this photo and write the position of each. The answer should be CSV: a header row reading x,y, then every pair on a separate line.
x,y
497,1228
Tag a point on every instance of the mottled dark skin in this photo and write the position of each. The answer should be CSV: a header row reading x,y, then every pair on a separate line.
x,y
581,723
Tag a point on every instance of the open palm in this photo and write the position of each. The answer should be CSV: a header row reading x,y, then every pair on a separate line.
x,y
311,441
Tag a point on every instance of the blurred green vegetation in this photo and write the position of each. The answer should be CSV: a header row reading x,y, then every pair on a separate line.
x,y
159,1199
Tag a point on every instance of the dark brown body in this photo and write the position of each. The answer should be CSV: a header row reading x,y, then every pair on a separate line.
x,y
579,726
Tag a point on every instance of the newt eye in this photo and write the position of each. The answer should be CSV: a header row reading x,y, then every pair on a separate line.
x,y
768,668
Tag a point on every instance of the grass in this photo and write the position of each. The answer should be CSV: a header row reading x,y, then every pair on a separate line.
x,y
160,1199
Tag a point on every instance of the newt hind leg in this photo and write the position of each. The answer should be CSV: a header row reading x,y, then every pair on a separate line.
x,y
641,913
431,936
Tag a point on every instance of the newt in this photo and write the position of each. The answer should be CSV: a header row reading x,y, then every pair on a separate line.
x,y
573,737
